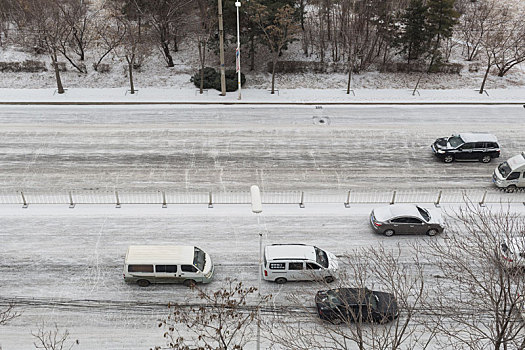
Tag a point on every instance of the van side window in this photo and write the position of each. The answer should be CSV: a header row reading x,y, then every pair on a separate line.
x,y
188,268
295,266
312,266
166,268
276,266
140,268
513,176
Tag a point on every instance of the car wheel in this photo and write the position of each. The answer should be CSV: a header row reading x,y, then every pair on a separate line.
x,y
485,159
143,283
189,283
389,233
511,188
448,159
432,232
280,280
328,279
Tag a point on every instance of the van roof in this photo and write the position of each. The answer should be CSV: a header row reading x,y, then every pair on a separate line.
x,y
290,251
477,137
160,254
516,161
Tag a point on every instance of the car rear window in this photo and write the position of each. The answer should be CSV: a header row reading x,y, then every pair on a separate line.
x,y
424,213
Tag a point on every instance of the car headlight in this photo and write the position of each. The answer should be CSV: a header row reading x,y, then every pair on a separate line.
x,y
440,151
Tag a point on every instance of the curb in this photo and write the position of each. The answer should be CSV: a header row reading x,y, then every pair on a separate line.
x,y
108,103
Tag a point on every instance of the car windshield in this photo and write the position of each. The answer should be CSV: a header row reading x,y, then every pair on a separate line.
x,y
321,257
199,259
504,169
455,141
424,213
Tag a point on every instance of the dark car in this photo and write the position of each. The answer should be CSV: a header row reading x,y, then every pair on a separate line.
x,y
467,146
406,218
344,305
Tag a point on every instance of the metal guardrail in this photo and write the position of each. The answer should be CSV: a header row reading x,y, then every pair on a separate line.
x,y
301,198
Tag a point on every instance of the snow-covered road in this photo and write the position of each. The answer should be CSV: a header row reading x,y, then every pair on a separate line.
x,y
229,148
65,265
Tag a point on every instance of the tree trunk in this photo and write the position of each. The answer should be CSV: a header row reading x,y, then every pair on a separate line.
x,y
349,76
166,50
482,88
201,58
130,70
60,88
275,58
252,52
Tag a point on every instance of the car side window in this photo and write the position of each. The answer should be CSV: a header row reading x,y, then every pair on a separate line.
x,y
400,220
276,266
188,268
413,221
479,145
166,268
513,176
140,268
468,146
312,266
295,266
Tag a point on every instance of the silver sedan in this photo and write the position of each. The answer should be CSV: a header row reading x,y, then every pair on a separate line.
x,y
406,218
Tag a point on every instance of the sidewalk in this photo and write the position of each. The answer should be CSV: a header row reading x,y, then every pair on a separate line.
x,y
260,96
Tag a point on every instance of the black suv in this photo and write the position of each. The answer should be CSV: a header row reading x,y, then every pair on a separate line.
x,y
345,305
467,146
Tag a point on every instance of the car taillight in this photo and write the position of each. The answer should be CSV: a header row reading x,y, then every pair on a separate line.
x,y
265,273
508,259
378,224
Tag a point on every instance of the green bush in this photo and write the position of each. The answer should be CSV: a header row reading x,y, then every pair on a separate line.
x,y
231,80
210,75
212,79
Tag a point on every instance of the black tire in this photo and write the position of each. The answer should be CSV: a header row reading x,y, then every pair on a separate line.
x,y
432,232
486,158
189,283
280,280
143,283
329,279
511,189
448,158
389,233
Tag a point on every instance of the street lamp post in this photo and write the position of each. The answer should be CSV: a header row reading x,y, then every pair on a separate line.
x,y
257,209
238,53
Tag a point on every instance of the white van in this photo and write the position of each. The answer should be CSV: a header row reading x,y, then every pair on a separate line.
x,y
511,174
298,262
145,264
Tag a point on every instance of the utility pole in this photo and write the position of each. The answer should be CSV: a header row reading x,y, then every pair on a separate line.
x,y
238,52
221,49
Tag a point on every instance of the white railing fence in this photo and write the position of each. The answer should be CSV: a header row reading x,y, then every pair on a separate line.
x,y
120,197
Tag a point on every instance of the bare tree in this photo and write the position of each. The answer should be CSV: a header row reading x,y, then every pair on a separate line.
x,y
53,339
109,35
8,314
479,289
370,269
203,27
277,32
49,26
165,17
134,46
222,319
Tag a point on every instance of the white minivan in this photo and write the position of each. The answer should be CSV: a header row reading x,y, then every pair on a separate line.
x,y
298,262
510,174
146,264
